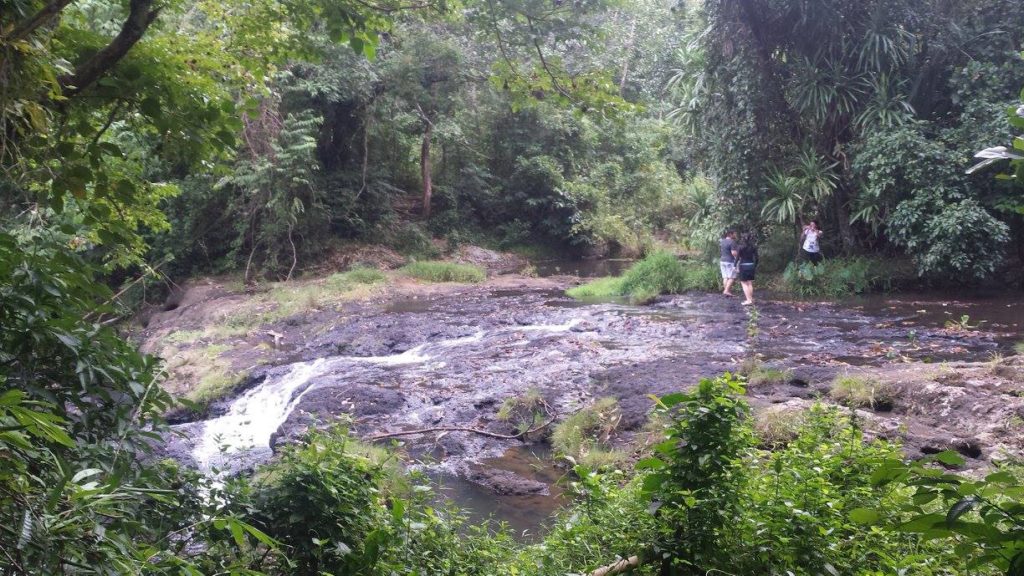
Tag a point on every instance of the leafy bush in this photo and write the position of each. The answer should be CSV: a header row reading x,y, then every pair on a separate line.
x,y
324,502
436,271
805,507
839,277
659,273
584,435
982,516
863,392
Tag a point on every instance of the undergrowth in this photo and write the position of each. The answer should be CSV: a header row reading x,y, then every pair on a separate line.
x,y
659,273
839,277
437,271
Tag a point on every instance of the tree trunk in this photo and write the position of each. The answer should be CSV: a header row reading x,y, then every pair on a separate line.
x,y
425,169
141,14
841,212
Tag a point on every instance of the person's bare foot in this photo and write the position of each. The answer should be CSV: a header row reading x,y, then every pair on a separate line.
x,y
727,293
747,302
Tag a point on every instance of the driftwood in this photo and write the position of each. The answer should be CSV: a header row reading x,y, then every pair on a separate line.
x,y
623,565
462,429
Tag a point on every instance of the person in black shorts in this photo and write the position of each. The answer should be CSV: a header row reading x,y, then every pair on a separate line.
x,y
747,265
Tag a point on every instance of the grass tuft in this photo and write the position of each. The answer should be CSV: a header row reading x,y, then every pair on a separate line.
x,y
863,392
584,435
437,271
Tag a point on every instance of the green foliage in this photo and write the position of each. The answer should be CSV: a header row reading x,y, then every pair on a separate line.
x,y
981,516
583,436
80,410
356,276
698,473
839,277
858,115
658,273
436,271
325,504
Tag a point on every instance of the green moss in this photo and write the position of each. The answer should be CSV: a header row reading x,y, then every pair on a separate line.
x,y
215,384
183,336
437,271
766,375
863,392
584,435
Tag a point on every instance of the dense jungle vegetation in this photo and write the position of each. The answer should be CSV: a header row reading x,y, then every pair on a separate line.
x,y
148,138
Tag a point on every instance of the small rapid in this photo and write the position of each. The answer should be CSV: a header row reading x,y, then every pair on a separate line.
x,y
242,436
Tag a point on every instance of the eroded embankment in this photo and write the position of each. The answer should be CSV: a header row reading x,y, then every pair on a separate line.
x,y
435,358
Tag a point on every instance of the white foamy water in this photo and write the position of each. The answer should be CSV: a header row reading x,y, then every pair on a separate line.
x,y
254,416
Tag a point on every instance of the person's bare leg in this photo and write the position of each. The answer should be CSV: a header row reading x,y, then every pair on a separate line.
x,y
748,291
728,286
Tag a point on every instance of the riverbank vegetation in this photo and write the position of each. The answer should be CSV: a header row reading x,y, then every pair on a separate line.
x,y
280,133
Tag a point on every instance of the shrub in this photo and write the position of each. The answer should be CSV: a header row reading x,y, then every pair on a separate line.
x,y
436,271
838,277
863,392
323,501
659,273
584,435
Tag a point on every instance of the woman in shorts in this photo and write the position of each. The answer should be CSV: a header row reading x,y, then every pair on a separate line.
x,y
746,258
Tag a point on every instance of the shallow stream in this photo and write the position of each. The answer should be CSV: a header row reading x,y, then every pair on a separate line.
x,y
451,360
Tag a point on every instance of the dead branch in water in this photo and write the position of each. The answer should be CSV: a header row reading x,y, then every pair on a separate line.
x,y
464,429
623,565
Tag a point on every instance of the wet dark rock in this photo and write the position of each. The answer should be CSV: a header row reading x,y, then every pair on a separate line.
x,y
503,482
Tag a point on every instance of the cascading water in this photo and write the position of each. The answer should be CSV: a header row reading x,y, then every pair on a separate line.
x,y
242,435
254,417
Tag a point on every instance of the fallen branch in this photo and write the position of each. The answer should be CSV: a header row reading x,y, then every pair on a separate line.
x,y
463,429
623,565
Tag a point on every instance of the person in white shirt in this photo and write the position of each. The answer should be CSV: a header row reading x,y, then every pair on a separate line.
x,y
809,242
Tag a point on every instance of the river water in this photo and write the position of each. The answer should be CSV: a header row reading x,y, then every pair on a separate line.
x,y
452,359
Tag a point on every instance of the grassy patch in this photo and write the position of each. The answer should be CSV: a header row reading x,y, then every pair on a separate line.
x,y
584,435
767,375
525,411
659,273
778,425
183,336
437,271
215,384
863,392
602,288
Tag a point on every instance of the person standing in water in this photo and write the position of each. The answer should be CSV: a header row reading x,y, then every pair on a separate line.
x,y
727,262
747,265
809,242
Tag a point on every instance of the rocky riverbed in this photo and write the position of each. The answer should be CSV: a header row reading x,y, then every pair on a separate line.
x,y
425,357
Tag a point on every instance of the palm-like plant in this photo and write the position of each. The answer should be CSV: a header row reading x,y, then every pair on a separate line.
x,y
787,200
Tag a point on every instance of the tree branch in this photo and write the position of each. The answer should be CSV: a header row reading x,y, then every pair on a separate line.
x,y
624,565
463,429
141,14
44,15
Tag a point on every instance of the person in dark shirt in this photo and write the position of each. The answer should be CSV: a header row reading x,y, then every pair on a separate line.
x,y
746,260
727,263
